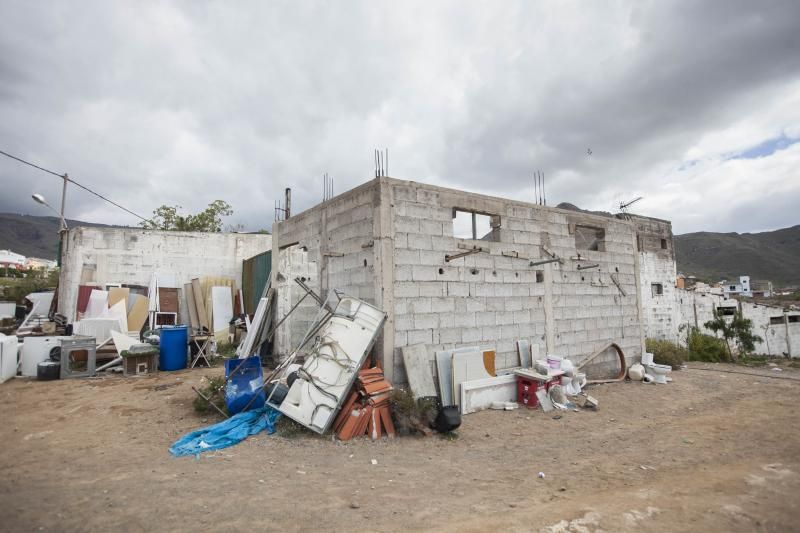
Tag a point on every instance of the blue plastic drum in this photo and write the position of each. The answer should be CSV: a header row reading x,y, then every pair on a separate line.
x,y
173,346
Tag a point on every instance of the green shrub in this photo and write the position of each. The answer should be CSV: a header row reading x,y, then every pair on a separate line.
x,y
214,391
666,352
707,348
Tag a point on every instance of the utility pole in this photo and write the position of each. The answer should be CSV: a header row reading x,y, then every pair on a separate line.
x,y
64,202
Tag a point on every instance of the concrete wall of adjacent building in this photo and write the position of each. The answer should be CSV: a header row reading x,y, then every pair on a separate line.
x,y
492,299
336,240
96,256
386,242
657,265
779,339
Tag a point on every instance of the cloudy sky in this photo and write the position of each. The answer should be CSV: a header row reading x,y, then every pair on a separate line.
x,y
693,105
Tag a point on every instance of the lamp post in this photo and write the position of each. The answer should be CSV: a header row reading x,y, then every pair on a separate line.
x,y
39,199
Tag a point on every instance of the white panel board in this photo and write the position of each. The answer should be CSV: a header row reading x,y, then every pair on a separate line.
x,y
98,304
34,351
418,371
479,394
467,366
8,357
8,309
222,310
99,328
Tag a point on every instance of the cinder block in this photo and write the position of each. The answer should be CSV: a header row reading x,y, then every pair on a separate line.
x,y
419,242
457,289
446,320
426,321
475,305
419,305
431,288
490,333
406,224
406,257
484,289
522,316
403,273
406,289
471,335
446,244
400,338
449,335
430,227
420,336
485,318
465,320
430,257
448,273
424,273
505,317
442,305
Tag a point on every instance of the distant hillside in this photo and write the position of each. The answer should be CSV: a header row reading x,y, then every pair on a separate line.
x,y
33,236
772,255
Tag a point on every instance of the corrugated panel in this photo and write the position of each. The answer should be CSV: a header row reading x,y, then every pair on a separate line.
x,y
255,273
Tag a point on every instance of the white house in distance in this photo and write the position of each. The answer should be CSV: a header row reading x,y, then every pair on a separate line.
x,y
738,289
747,288
37,263
11,260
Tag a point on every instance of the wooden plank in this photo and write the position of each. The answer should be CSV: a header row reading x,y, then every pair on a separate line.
x,y
138,314
199,301
118,294
189,294
418,370
489,361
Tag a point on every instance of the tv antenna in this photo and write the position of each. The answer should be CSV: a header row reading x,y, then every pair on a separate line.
x,y
623,206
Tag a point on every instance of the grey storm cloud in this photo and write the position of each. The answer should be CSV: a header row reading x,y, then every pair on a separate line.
x,y
187,102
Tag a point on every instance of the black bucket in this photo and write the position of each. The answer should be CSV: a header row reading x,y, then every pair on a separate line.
x,y
448,419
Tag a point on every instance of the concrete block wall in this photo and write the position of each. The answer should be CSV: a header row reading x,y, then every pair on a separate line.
x,y
293,263
130,255
657,266
780,339
662,313
337,239
492,300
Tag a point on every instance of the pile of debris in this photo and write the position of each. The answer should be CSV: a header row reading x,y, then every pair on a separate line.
x,y
367,411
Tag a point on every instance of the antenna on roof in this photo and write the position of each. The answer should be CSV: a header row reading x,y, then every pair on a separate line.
x,y
623,206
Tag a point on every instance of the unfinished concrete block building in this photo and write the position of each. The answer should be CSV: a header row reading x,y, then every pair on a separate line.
x,y
452,268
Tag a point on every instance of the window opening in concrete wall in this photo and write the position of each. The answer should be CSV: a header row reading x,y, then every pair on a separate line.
x,y
732,287
657,289
590,238
793,318
726,311
663,244
471,225
776,320
540,276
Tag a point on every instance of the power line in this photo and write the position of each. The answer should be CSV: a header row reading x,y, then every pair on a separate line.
x,y
64,176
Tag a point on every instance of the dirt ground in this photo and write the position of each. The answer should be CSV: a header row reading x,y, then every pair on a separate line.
x,y
710,451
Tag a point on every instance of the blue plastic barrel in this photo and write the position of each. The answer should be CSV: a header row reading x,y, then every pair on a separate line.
x,y
174,340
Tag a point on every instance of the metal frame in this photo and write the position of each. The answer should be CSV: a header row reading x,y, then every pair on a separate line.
x,y
75,344
325,314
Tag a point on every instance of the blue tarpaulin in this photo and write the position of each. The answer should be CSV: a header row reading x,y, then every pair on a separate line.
x,y
226,433
244,380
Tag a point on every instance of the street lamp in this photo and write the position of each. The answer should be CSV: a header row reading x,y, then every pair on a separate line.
x,y
39,199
